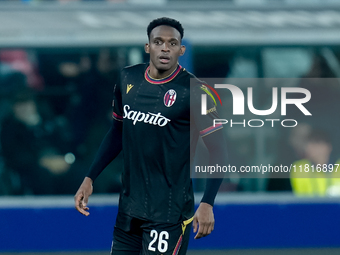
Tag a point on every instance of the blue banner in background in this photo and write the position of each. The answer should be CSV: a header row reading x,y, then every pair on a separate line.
x,y
187,59
239,225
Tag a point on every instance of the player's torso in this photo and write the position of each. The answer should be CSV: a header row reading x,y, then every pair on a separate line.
x,y
156,145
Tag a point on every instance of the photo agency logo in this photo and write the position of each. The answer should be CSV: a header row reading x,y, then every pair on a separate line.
x,y
238,105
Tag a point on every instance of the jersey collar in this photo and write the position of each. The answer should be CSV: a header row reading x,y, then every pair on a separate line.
x,y
163,80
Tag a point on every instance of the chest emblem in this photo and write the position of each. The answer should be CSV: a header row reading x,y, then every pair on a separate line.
x,y
128,87
170,97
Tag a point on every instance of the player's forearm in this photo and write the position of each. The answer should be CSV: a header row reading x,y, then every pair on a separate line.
x,y
217,149
108,150
211,188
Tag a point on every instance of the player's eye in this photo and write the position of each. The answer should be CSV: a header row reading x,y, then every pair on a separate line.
x,y
173,44
157,42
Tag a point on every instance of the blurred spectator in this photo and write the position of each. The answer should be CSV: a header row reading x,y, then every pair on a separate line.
x,y
291,148
98,74
320,80
324,86
20,61
79,88
89,96
35,150
317,173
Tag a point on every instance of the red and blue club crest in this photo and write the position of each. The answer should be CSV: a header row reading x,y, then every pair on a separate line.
x,y
170,97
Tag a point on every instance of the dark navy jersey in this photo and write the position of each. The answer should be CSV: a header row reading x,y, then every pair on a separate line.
x,y
156,143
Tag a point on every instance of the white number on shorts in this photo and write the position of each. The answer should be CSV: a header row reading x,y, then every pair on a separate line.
x,y
162,244
153,234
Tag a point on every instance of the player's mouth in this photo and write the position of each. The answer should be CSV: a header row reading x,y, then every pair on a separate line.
x,y
164,59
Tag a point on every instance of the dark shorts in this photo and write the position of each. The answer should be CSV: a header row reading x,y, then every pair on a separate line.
x,y
133,236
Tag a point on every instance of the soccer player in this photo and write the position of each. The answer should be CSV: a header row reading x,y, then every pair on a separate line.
x,y
151,124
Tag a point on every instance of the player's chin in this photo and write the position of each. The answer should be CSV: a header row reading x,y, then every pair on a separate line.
x,y
165,67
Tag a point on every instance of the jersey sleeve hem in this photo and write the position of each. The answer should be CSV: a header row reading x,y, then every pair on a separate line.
x,y
115,116
210,130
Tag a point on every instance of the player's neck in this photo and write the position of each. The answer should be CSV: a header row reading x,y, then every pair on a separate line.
x,y
160,74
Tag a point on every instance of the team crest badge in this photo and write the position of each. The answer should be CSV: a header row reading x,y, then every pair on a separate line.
x,y
170,97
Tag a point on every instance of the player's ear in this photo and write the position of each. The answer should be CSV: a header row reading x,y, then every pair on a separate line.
x,y
182,50
146,48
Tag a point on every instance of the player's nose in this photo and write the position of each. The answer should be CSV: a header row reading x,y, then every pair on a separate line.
x,y
166,47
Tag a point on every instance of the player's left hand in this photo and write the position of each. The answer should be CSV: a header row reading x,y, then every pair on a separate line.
x,y
204,220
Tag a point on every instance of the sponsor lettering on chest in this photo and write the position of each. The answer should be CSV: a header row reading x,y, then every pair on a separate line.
x,y
156,119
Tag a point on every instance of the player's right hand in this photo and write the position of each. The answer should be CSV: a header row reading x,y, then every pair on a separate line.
x,y
82,196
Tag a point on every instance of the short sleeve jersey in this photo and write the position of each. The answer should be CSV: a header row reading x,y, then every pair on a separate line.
x,y
156,144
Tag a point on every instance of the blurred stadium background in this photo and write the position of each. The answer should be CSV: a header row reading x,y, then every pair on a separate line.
x,y
64,56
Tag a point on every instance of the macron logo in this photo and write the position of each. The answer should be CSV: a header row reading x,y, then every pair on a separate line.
x,y
149,118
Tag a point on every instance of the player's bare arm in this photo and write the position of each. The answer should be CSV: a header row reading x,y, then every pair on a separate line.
x,y
82,196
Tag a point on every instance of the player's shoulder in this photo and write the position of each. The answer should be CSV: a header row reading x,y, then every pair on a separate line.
x,y
185,74
198,85
195,83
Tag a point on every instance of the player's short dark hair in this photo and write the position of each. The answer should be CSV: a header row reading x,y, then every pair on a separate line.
x,y
319,135
166,22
